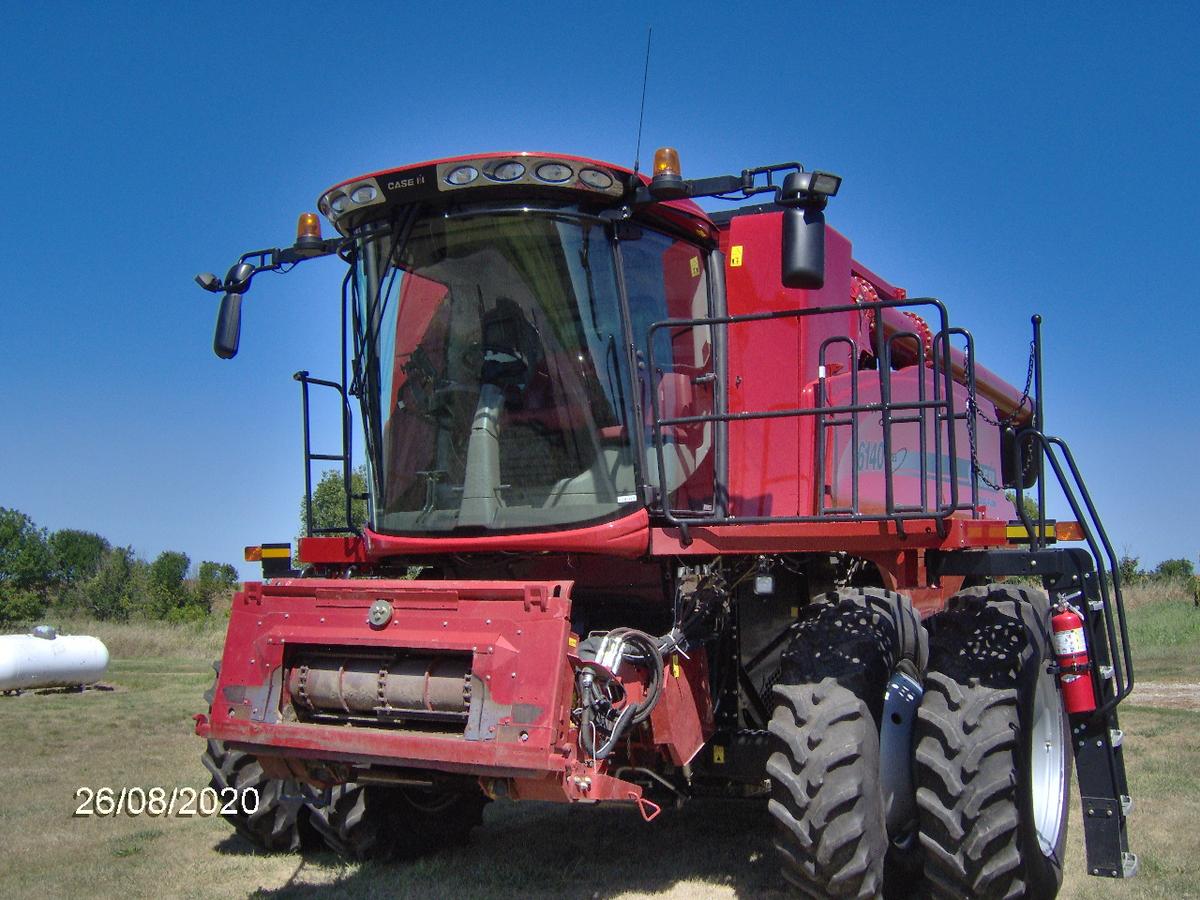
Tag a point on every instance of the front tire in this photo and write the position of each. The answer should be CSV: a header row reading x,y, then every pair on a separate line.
x,y
363,822
992,763
279,820
826,795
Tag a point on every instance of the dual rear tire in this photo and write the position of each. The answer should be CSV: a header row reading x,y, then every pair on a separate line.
x,y
992,764
989,758
827,798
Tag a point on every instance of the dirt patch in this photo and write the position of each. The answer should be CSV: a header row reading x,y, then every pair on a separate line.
x,y
1160,693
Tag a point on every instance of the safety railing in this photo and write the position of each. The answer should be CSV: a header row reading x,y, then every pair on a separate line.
x,y
933,412
344,457
1033,445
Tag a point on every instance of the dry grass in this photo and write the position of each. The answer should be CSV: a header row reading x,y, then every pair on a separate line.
x,y
140,733
1146,593
151,640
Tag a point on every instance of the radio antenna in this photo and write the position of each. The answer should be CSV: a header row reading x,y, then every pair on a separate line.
x,y
637,153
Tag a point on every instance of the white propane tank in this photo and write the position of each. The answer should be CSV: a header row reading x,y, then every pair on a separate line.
x,y
45,658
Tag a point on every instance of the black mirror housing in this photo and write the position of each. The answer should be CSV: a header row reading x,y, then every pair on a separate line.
x,y
803,251
229,326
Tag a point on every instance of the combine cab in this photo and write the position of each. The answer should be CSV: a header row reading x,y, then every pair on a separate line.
x,y
699,505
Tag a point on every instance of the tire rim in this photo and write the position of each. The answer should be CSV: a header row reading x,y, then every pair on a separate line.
x,y
1048,763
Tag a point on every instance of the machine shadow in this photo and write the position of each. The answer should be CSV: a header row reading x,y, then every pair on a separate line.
x,y
534,849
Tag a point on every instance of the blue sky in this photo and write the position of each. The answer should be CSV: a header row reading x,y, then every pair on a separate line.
x,y
1007,158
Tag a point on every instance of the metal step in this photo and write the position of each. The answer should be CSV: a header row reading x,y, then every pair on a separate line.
x,y
1129,865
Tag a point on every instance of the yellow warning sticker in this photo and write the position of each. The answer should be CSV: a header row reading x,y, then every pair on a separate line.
x,y
695,263
735,255
674,665
572,641
718,755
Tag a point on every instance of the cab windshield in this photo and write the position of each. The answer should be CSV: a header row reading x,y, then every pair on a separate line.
x,y
494,390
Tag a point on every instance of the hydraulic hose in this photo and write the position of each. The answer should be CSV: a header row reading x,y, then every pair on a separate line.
x,y
595,681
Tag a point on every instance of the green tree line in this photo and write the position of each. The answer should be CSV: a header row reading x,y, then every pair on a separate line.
x,y
80,572
1180,570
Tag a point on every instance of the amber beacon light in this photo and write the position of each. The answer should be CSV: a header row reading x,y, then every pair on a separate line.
x,y
308,232
667,183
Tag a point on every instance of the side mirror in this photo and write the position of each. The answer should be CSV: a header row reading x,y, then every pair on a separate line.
x,y
805,195
229,317
803,247
229,327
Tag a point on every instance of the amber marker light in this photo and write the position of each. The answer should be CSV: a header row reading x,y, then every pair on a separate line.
x,y
254,554
1068,531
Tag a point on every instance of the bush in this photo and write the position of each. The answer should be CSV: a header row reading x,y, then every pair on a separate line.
x,y
109,594
76,554
20,606
165,579
191,613
329,501
1175,570
1129,570
212,581
25,559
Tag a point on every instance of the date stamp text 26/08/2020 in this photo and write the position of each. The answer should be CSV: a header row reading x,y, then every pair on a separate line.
x,y
160,802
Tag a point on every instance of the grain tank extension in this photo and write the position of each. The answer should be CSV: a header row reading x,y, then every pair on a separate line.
x,y
698,505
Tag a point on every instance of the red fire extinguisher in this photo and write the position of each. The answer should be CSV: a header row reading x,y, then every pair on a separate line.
x,y
1074,667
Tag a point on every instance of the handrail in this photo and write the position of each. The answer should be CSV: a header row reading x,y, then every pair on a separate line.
x,y
344,457
1096,538
945,363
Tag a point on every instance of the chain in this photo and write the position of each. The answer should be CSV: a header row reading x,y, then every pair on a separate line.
x,y
973,410
1008,420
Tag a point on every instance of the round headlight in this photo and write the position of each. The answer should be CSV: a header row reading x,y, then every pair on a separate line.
x,y
364,194
556,173
507,171
338,203
462,175
595,178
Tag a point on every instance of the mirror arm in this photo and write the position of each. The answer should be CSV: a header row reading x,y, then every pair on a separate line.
x,y
292,255
273,260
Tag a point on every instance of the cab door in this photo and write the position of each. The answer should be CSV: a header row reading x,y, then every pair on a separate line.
x,y
666,278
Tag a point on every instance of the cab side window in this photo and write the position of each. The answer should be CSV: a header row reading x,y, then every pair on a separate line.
x,y
665,278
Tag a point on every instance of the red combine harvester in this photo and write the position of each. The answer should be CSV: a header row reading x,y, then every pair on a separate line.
x,y
698,506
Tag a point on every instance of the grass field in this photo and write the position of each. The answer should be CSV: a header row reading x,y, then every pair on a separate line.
x,y
140,734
